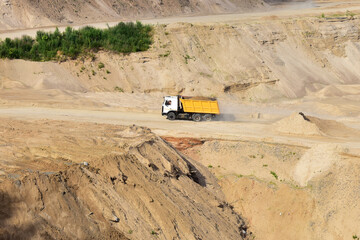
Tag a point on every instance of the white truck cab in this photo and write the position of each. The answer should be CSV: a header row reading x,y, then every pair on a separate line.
x,y
171,103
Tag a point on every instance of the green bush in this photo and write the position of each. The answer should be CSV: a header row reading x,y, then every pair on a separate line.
x,y
122,38
118,89
101,65
274,174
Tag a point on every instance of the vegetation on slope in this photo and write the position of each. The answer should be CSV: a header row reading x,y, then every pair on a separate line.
x,y
122,38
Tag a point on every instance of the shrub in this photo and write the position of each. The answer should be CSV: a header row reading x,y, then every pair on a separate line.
x,y
165,54
101,65
118,89
274,174
122,38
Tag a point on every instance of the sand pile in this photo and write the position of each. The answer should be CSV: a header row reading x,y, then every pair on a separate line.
x,y
300,124
132,186
334,128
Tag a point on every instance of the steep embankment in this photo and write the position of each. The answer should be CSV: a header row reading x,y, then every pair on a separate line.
x,y
27,13
305,193
258,60
133,185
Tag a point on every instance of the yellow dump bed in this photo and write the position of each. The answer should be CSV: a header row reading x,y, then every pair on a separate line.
x,y
200,106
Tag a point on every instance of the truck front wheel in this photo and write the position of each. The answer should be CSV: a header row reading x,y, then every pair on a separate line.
x,y
196,117
171,116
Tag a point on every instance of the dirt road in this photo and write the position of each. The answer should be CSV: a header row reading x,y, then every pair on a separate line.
x,y
243,130
154,121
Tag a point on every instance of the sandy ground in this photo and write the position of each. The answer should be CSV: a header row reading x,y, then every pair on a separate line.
x,y
88,181
286,191
26,13
289,176
297,176
298,9
299,133
302,174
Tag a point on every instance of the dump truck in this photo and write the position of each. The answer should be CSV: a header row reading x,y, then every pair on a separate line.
x,y
194,108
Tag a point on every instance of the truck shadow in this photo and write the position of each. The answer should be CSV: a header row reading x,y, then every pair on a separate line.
x,y
223,117
227,117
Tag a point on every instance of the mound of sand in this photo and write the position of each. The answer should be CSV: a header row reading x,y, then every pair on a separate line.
x,y
297,124
334,128
132,186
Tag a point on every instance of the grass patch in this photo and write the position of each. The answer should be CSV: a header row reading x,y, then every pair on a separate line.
x,y
309,34
339,15
101,65
274,174
165,54
272,184
46,46
350,14
187,58
118,89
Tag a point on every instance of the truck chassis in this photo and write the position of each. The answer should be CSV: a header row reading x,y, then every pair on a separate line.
x,y
197,117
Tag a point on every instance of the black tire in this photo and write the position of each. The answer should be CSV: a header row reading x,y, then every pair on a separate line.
x,y
196,117
207,117
171,116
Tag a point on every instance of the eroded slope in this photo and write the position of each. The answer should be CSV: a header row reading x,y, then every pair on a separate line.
x,y
259,60
304,192
27,13
133,185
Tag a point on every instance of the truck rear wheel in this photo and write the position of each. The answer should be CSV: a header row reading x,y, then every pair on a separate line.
x,y
171,116
207,117
196,117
